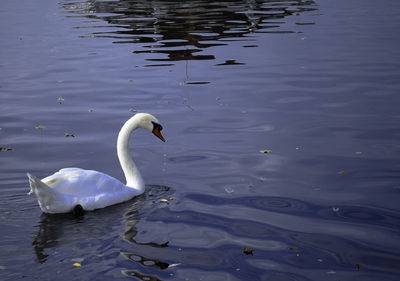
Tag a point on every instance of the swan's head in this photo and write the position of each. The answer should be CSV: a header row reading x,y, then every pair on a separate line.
x,y
150,123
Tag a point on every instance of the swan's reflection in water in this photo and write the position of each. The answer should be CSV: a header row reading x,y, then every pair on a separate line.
x,y
69,230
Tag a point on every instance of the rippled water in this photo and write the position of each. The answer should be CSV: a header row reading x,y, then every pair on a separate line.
x,y
315,82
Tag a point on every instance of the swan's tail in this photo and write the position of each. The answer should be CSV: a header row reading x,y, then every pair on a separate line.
x,y
36,184
45,195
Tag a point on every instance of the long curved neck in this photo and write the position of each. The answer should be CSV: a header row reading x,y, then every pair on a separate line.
x,y
132,175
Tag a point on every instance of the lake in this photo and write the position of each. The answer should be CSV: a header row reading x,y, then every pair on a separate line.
x,y
282,152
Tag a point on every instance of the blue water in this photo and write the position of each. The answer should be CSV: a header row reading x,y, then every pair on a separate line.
x,y
315,82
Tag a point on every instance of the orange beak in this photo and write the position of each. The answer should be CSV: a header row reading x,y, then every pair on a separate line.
x,y
158,134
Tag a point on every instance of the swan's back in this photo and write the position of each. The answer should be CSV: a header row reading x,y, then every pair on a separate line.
x,y
67,188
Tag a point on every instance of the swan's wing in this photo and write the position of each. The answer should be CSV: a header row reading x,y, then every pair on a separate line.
x,y
83,183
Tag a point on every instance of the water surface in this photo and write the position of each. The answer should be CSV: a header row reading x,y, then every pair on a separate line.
x,y
314,82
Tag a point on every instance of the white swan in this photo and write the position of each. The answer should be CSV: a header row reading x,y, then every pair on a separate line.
x,y
89,190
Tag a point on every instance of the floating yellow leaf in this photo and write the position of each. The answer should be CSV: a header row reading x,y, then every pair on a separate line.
x,y
342,172
163,200
40,127
293,249
77,264
266,151
248,251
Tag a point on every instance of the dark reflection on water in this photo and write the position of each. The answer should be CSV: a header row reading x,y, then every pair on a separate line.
x,y
61,230
183,30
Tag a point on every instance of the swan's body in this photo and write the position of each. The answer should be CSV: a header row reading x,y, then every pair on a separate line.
x,y
71,187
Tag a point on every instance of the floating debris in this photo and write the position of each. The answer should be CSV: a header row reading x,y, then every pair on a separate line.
x,y
77,264
358,266
6,148
293,249
342,172
163,200
248,251
132,110
335,209
174,265
358,152
60,99
67,135
229,190
90,110
40,127
331,272
266,151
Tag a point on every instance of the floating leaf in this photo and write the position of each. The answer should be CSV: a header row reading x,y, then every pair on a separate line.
x,y
342,172
173,265
172,198
293,249
6,148
77,264
163,200
40,127
266,151
248,251
60,99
